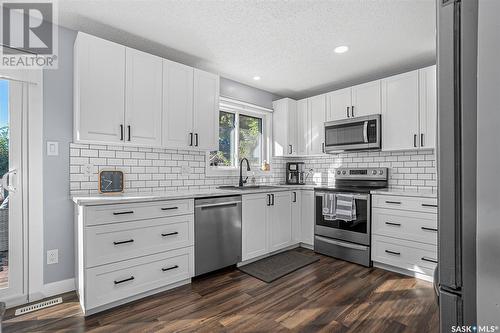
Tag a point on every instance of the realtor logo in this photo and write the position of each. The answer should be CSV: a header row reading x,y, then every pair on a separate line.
x,y
29,35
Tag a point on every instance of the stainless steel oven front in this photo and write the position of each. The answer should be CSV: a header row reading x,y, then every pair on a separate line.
x,y
356,231
361,133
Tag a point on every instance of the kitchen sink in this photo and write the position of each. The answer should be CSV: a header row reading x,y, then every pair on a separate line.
x,y
246,188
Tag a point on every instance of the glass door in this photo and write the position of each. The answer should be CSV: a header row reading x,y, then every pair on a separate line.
x,y
12,104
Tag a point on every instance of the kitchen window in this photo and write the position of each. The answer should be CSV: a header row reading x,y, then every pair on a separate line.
x,y
242,134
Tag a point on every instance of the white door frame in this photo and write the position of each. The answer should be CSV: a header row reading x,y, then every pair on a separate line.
x,y
33,190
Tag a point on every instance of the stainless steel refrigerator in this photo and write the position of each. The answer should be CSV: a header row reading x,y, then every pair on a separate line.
x,y
456,155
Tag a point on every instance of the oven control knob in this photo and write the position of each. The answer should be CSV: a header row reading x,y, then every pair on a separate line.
x,y
374,172
343,172
381,172
338,172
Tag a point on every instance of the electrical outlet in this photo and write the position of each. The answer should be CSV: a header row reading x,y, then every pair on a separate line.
x,y
185,169
88,169
52,256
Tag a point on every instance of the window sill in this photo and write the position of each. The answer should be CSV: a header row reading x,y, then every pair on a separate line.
x,y
219,172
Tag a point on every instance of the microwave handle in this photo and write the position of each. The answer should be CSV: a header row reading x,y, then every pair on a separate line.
x,y
365,131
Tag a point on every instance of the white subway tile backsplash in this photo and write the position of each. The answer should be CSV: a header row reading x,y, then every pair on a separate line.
x,y
156,169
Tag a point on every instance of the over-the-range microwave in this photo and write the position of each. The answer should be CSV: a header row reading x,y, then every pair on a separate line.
x,y
360,133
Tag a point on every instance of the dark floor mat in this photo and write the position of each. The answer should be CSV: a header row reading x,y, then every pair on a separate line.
x,y
272,268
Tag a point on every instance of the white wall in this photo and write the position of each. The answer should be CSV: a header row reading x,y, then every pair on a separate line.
x,y
488,164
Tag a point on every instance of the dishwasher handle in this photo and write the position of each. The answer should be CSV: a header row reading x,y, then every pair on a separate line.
x,y
221,204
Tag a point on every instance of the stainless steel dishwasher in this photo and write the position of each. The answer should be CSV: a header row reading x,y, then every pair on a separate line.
x,y
217,233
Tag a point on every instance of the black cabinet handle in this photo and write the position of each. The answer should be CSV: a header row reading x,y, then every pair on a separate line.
x,y
191,139
268,199
414,140
123,213
128,127
393,202
272,196
429,260
290,149
294,196
121,132
169,268
348,112
322,147
196,139
394,224
125,280
429,229
421,139
169,208
429,205
170,234
392,252
124,242
352,111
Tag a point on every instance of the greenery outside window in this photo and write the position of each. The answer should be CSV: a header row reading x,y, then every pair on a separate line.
x,y
240,135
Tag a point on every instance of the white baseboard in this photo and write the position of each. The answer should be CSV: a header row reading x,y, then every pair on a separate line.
x,y
58,287
403,271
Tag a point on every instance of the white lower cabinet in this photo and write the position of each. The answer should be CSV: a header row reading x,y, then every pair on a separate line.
x,y
404,234
296,216
266,223
307,218
128,251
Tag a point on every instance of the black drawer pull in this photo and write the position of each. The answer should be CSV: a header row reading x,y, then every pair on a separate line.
x,y
169,268
392,252
429,205
394,202
429,229
124,242
169,208
123,213
429,260
170,234
394,224
125,280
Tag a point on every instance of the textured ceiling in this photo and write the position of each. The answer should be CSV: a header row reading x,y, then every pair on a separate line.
x,y
289,44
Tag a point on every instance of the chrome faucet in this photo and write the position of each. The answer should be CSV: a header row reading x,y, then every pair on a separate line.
x,y
241,173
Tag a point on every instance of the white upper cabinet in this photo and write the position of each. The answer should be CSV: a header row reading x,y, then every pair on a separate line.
x,y
317,115
206,110
366,99
400,112
284,127
303,130
428,107
409,117
357,101
143,96
177,104
99,90
125,96
339,104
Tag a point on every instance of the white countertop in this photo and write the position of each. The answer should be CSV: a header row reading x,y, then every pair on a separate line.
x,y
407,193
107,199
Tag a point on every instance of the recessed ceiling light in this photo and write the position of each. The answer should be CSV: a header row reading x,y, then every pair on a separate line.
x,y
256,78
341,49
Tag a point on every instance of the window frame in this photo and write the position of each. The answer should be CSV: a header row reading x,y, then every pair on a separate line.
x,y
241,108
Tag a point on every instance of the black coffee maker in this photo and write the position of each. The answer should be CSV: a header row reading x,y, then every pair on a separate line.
x,y
295,174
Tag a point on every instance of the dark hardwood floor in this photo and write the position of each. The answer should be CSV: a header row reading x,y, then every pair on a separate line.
x,y
327,296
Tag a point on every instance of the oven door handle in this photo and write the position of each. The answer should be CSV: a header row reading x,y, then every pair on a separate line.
x,y
343,244
355,195
365,131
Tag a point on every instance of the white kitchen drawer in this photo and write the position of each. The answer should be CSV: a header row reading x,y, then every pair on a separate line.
x,y
418,204
137,211
121,241
412,256
413,226
113,282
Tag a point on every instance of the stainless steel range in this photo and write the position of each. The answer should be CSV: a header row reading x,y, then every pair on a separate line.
x,y
343,214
